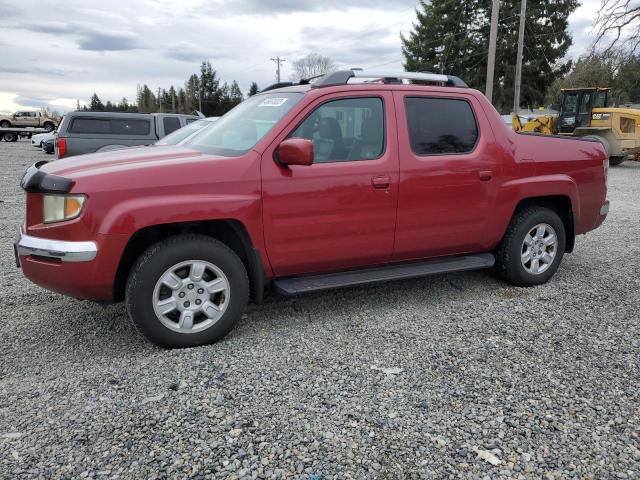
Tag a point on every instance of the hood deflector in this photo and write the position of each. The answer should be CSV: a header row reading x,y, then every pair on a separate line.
x,y
36,181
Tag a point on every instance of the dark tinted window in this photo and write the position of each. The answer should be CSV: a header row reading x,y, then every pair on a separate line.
x,y
113,126
345,130
171,124
130,126
440,125
90,125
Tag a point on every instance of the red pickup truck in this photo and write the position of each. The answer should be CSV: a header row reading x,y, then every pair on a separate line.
x,y
309,187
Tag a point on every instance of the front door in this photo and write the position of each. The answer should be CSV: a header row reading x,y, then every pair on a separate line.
x,y
339,212
449,172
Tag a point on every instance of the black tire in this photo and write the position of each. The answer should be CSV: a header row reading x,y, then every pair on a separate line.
x,y
5,124
508,255
617,160
48,126
160,257
10,137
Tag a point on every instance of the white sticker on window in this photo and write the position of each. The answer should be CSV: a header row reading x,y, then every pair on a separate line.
x,y
272,102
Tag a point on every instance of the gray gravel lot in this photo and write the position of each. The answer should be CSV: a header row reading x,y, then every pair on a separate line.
x,y
456,376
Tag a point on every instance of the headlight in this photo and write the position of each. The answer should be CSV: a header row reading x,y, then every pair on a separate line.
x,y
57,208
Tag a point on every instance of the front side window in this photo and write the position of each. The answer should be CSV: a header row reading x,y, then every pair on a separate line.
x,y
170,124
184,132
584,105
240,129
439,126
571,103
345,130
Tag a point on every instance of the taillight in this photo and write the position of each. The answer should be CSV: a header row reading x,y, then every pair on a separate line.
x,y
61,147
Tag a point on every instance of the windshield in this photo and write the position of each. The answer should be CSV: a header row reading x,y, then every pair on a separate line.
x,y
175,137
240,129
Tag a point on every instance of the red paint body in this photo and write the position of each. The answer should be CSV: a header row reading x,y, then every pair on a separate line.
x,y
325,216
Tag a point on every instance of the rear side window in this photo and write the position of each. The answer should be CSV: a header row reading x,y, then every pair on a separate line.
x,y
111,126
171,124
90,125
440,126
627,125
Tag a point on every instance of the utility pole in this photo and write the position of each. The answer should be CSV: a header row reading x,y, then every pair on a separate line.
x,y
278,61
491,61
173,103
516,92
200,99
159,100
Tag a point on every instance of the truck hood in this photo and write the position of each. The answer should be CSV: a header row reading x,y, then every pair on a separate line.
x,y
135,158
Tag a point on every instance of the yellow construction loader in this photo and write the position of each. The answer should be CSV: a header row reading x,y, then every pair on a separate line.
x,y
584,113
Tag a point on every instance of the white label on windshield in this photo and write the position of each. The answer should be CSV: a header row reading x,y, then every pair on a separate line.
x,y
272,102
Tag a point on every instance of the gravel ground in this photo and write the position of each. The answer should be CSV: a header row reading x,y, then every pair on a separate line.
x,y
456,376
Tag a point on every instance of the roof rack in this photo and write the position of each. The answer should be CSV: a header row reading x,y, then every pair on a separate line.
x,y
342,77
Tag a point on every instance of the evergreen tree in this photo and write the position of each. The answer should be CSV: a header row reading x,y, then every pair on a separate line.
x,y
95,104
146,100
235,93
109,107
253,89
211,94
452,37
182,101
77,105
173,103
192,89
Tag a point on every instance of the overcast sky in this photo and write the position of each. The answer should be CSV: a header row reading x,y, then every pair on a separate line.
x,y
52,55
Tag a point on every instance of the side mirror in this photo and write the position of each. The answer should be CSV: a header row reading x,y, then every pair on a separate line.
x,y
295,151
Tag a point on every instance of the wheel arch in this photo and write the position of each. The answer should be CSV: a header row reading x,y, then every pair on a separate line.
x,y
231,232
562,205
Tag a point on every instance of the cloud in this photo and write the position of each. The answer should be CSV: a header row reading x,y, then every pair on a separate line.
x,y
91,39
187,52
354,48
277,7
100,42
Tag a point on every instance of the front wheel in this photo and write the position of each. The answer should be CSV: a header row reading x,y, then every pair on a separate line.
x,y
48,127
532,247
186,291
617,160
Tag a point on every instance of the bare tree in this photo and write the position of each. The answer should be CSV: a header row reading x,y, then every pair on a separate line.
x,y
618,23
312,65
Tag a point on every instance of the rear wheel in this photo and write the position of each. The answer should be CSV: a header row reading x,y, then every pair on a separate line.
x,y
186,291
48,126
532,247
5,124
10,137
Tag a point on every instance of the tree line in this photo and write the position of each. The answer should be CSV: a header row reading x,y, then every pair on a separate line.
x,y
202,92
452,36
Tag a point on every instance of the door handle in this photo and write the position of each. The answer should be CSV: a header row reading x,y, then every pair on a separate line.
x,y
485,175
381,182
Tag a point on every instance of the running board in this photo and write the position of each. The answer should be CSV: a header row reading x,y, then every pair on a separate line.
x,y
314,283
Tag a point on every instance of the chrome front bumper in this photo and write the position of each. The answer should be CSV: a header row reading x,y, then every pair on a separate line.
x,y
55,249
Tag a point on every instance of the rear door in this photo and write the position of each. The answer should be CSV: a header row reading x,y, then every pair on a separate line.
x,y
448,171
339,212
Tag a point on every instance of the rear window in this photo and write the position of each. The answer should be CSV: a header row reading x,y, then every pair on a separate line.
x,y
111,126
171,124
440,126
